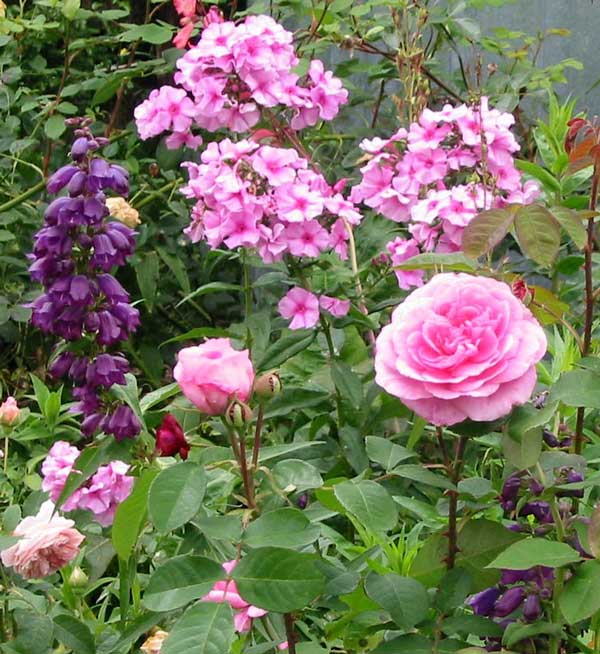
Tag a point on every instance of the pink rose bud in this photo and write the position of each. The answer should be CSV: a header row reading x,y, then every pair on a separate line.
x,y
267,385
212,374
78,578
523,292
238,414
9,411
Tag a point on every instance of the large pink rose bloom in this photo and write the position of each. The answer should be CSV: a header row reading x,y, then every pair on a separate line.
x,y
47,544
212,374
460,347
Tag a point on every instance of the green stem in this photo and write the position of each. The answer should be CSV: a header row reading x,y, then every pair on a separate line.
x,y
257,436
154,194
559,579
332,356
6,443
247,298
21,198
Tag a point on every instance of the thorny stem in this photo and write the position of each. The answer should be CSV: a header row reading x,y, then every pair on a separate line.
x,y
589,298
453,470
289,632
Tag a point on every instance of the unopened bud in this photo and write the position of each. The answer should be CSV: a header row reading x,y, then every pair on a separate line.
x,y
9,411
523,292
238,414
78,578
267,385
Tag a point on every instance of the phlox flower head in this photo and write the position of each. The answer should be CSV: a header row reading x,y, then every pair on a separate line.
x,y
301,307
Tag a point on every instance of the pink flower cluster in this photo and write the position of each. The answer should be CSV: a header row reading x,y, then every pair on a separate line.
x,y
440,173
232,73
226,591
302,307
101,494
264,197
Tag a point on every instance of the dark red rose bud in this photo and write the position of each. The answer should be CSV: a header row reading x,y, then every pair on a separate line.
x,y
170,439
522,291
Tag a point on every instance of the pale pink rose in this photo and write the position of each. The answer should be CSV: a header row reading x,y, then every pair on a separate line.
x,y
47,544
460,347
335,306
9,411
212,374
301,306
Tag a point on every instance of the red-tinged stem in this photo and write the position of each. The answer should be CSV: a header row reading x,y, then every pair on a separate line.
x,y
290,632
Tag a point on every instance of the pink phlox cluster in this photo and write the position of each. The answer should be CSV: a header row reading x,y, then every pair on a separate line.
x,y
226,591
267,198
101,494
235,71
301,307
440,173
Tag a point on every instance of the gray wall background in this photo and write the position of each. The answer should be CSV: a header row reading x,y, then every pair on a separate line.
x,y
582,17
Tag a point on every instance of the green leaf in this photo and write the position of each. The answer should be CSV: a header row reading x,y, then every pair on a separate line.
x,y
405,599
454,261
297,475
211,287
455,587
578,388
486,230
278,579
205,628
153,398
475,625
181,580
199,332
147,273
479,542
131,516
286,527
35,632
134,630
55,126
347,382
530,552
176,495
517,631
107,89
420,474
538,233
571,222
523,449
286,347
150,33
580,598
70,8
74,634
370,504
386,453
541,174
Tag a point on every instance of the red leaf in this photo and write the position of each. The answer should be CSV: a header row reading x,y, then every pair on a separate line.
x,y
186,8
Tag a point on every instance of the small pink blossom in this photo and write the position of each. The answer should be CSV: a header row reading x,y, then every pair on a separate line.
x,y
108,487
226,591
306,239
301,306
401,250
167,108
335,306
9,411
48,542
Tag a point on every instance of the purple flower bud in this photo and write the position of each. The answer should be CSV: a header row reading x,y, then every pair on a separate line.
x,y
532,609
61,364
550,439
510,577
483,603
106,370
79,148
122,423
61,178
540,510
535,486
77,183
510,492
109,330
78,369
91,424
111,288
302,501
509,601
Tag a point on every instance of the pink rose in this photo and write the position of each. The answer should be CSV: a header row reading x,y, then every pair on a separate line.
x,y
460,347
47,544
9,411
212,374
